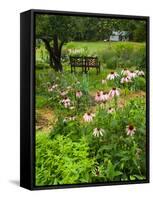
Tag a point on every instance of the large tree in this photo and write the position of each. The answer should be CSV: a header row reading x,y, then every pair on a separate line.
x,y
54,31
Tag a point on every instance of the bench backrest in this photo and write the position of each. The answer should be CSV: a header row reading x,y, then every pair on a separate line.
x,y
84,61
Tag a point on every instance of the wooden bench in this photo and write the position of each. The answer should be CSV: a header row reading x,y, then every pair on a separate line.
x,y
85,63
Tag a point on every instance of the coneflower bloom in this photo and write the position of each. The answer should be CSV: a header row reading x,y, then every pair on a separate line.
x,y
104,97
66,102
51,88
54,86
98,96
88,117
125,79
132,74
130,130
98,132
140,73
114,92
125,72
112,76
63,93
110,110
78,94
72,118
103,81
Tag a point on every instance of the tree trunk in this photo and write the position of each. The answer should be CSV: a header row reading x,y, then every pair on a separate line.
x,y
54,53
50,52
57,54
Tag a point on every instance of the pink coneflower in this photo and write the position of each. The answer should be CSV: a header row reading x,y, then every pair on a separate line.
x,y
140,73
88,117
110,110
63,93
78,94
98,132
125,72
132,74
112,76
54,86
66,102
72,118
125,79
104,97
103,81
130,130
114,92
51,88
98,96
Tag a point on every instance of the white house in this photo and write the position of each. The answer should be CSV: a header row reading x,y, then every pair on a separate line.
x,y
119,36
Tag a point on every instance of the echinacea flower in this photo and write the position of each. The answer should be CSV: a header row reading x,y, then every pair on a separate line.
x,y
88,117
104,97
51,88
66,102
54,86
112,76
125,72
114,92
132,74
63,93
140,73
98,96
98,132
130,130
125,79
110,110
78,94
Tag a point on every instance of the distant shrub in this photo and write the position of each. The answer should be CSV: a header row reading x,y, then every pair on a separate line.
x,y
124,55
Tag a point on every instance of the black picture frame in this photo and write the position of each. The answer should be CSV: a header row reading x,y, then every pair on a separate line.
x,y
27,98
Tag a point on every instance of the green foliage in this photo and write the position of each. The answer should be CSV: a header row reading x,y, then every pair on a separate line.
x,y
62,161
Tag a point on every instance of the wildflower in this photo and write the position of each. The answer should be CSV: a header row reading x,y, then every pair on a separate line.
x,y
51,88
104,97
98,96
112,76
140,73
72,118
114,92
78,94
110,110
103,81
63,93
88,117
66,101
98,132
132,74
130,130
125,79
125,72
54,86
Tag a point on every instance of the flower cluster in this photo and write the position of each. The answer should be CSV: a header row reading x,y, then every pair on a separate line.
x,y
112,76
88,117
53,87
66,102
